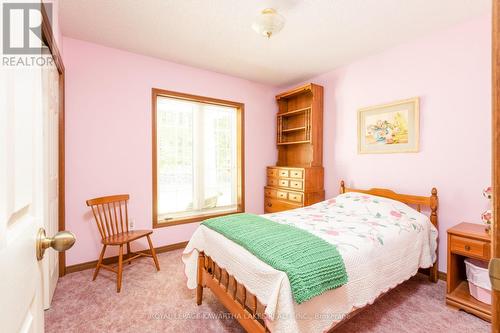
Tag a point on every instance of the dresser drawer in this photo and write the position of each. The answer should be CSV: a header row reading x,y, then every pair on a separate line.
x,y
274,205
272,172
297,174
283,183
283,173
470,247
269,192
272,181
296,184
281,195
295,197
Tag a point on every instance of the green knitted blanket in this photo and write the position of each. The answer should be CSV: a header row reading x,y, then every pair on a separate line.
x,y
313,265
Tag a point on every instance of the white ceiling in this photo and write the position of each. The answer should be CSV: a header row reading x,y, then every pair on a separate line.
x,y
319,35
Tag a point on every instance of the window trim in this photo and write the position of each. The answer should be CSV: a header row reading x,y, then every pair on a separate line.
x,y
240,152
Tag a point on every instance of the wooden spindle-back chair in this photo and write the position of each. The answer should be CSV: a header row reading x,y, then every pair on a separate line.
x,y
111,216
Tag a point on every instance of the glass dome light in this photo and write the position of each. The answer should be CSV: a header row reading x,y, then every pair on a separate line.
x,y
268,23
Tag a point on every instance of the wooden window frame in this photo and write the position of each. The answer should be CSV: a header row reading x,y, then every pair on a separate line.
x,y
240,155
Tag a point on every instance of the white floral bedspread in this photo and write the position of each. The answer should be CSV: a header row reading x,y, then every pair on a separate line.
x,y
383,243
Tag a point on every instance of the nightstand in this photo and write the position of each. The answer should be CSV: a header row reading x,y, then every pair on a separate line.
x,y
466,240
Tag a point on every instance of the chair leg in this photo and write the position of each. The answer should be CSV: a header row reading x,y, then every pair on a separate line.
x,y
128,252
153,253
120,270
99,262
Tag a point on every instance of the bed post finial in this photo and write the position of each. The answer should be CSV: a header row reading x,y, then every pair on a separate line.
x,y
342,187
434,203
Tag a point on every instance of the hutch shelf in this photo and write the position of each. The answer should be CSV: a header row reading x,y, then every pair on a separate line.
x,y
297,178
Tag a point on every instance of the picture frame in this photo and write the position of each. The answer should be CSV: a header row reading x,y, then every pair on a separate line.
x,y
389,128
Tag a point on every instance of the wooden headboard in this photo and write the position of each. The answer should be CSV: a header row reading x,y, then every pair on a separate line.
x,y
418,202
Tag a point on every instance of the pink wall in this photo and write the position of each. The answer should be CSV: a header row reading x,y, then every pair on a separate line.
x,y
451,72
108,134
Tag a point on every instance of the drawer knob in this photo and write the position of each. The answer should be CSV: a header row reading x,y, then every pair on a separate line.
x,y
269,204
467,247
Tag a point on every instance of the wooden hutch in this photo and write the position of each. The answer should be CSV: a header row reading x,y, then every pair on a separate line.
x,y
297,179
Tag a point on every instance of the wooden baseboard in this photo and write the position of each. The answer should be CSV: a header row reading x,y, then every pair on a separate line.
x,y
114,259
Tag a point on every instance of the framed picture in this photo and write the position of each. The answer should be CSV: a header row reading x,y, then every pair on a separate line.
x,y
389,128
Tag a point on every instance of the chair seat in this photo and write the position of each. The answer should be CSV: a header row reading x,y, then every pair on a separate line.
x,y
125,237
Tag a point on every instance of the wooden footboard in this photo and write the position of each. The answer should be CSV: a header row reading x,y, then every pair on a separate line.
x,y
242,304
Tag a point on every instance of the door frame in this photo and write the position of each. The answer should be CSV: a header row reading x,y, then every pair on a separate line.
x,y
49,40
495,131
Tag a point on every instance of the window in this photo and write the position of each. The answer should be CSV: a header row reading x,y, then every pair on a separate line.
x,y
197,158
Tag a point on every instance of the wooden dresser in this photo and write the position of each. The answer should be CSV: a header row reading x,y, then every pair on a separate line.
x,y
297,178
466,240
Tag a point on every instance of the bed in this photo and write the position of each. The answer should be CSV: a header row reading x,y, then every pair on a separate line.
x,y
382,240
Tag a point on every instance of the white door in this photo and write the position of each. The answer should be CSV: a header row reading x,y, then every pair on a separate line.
x,y
50,99
28,189
21,211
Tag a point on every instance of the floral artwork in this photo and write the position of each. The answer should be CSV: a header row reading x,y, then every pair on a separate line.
x,y
389,128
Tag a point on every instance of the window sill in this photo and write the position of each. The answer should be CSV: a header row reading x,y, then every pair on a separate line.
x,y
193,219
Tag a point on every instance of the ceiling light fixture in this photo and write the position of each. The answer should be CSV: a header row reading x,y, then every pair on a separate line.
x,y
268,23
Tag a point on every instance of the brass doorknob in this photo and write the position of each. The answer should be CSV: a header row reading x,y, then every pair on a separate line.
x,y
61,241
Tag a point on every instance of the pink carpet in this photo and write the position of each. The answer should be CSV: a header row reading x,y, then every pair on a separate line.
x,y
160,302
